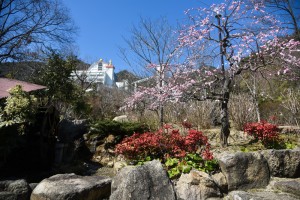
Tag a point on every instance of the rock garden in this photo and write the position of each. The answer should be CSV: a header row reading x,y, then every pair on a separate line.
x,y
167,164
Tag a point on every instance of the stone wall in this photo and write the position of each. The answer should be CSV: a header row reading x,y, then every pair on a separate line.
x,y
272,172
264,174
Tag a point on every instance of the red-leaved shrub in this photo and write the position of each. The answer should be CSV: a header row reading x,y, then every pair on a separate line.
x,y
265,132
186,124
162,145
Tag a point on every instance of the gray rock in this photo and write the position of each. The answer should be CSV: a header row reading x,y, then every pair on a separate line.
x,y
8,196
283,163
33,185
221,181
258,195
11,189
291,186
244,170
71,186
119,165
149,181
195,186
242,195
121,118
69,130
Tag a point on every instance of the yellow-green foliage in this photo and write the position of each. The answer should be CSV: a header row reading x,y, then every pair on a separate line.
x,y
19,107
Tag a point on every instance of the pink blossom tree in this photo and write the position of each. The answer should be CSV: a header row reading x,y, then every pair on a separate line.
x,y
237,37
152,44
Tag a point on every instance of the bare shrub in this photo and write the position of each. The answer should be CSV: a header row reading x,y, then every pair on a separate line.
x,y
175,112
151,119
199,113
241,110
291,105
106,102
204,113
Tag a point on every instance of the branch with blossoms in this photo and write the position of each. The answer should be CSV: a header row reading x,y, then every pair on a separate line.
x,y
176,80
251,39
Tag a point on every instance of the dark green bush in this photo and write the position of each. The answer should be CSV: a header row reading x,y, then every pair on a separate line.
x,y
9,139
120,130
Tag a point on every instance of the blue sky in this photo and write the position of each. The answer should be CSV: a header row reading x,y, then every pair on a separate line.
x,y
103,23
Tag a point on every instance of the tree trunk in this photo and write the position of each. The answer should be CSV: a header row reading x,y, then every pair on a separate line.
x,y
225,131
257,110
295,21
161,115
225,126
255,99
161,76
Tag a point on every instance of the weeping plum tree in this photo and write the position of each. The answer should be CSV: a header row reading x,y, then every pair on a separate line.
x,y
237,37
247,39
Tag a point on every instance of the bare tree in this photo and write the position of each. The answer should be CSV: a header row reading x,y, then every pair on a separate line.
x,y
242,110
105,103
152,44
254,82
28,26
292,105
288,10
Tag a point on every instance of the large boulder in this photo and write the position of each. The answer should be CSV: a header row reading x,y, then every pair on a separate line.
x,y
71,186
121,118
278,188
221,181
283,163
289,186
70,142
14,189
149,181
258,195
69,130
4,195
244,170
119,165
196,185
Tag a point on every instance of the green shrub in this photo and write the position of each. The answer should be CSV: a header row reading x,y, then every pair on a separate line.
x,y
20,108
289,145
9,139
118,129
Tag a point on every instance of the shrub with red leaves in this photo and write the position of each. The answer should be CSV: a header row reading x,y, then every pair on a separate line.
x,y
265,132
162,145
187,125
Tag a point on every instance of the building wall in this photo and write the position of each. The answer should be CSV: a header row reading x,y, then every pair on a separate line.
x,y
110,79
99,72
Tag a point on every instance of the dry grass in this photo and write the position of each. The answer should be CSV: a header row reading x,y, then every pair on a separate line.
x,y
239,141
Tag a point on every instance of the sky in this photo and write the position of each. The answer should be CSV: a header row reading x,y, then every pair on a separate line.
x,y
104,23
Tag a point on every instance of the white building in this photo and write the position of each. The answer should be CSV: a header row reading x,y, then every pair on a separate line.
x,y
98,73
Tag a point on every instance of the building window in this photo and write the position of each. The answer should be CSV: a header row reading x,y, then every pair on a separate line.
x,y
100,66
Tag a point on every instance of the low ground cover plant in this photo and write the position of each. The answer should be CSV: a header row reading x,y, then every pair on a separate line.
x,y
191,161
177,152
